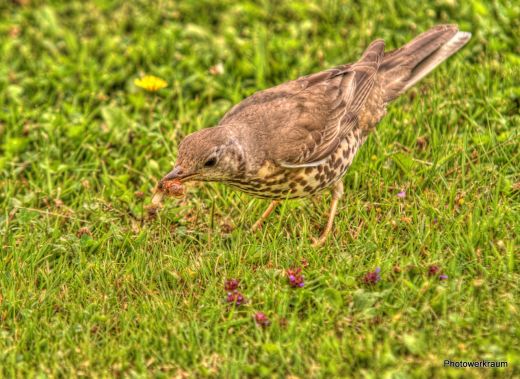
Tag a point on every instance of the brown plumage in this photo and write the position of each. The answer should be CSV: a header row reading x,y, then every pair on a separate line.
x,y
299,138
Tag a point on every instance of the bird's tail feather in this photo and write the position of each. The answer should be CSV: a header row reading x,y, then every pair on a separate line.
x,y
404,67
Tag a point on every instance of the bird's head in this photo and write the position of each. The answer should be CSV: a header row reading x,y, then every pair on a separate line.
x,y
211,155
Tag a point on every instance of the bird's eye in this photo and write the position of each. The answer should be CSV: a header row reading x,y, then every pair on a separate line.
x,y
210,162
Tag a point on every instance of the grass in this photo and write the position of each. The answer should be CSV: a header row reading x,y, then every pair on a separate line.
x,y
89,287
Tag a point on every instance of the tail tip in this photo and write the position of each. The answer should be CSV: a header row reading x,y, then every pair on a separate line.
x,y
466,35
463,37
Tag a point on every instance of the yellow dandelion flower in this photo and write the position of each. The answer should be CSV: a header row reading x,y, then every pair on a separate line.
x,y
150,83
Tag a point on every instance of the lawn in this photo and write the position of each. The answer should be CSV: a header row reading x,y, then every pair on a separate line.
x,y
91,286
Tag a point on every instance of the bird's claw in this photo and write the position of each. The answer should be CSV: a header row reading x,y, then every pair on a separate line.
x,y
318,242
256,226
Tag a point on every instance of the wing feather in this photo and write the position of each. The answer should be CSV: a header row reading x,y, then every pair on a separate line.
x,y
345,92
308,117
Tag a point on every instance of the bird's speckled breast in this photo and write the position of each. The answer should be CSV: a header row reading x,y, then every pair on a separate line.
x,y
274,182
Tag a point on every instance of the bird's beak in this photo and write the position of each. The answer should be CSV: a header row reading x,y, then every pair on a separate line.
x,y
176,173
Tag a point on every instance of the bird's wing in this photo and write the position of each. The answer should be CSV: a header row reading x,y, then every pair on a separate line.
x,y
302,121
327,110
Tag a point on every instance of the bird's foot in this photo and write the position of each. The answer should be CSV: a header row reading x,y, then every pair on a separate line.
x,y
320,241
337,192
257,225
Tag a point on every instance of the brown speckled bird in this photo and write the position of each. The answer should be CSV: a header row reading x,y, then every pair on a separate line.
x,y
299,138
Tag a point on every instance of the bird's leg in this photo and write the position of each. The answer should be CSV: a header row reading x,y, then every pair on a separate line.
x,y
268,211
337,192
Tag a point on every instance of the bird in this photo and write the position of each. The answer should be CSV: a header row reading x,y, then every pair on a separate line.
x,y
298,139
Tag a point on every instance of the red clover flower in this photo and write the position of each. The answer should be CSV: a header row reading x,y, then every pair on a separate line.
x,y
261,319
295,277
373,277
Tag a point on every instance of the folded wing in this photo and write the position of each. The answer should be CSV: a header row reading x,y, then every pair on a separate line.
x,y
309,116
